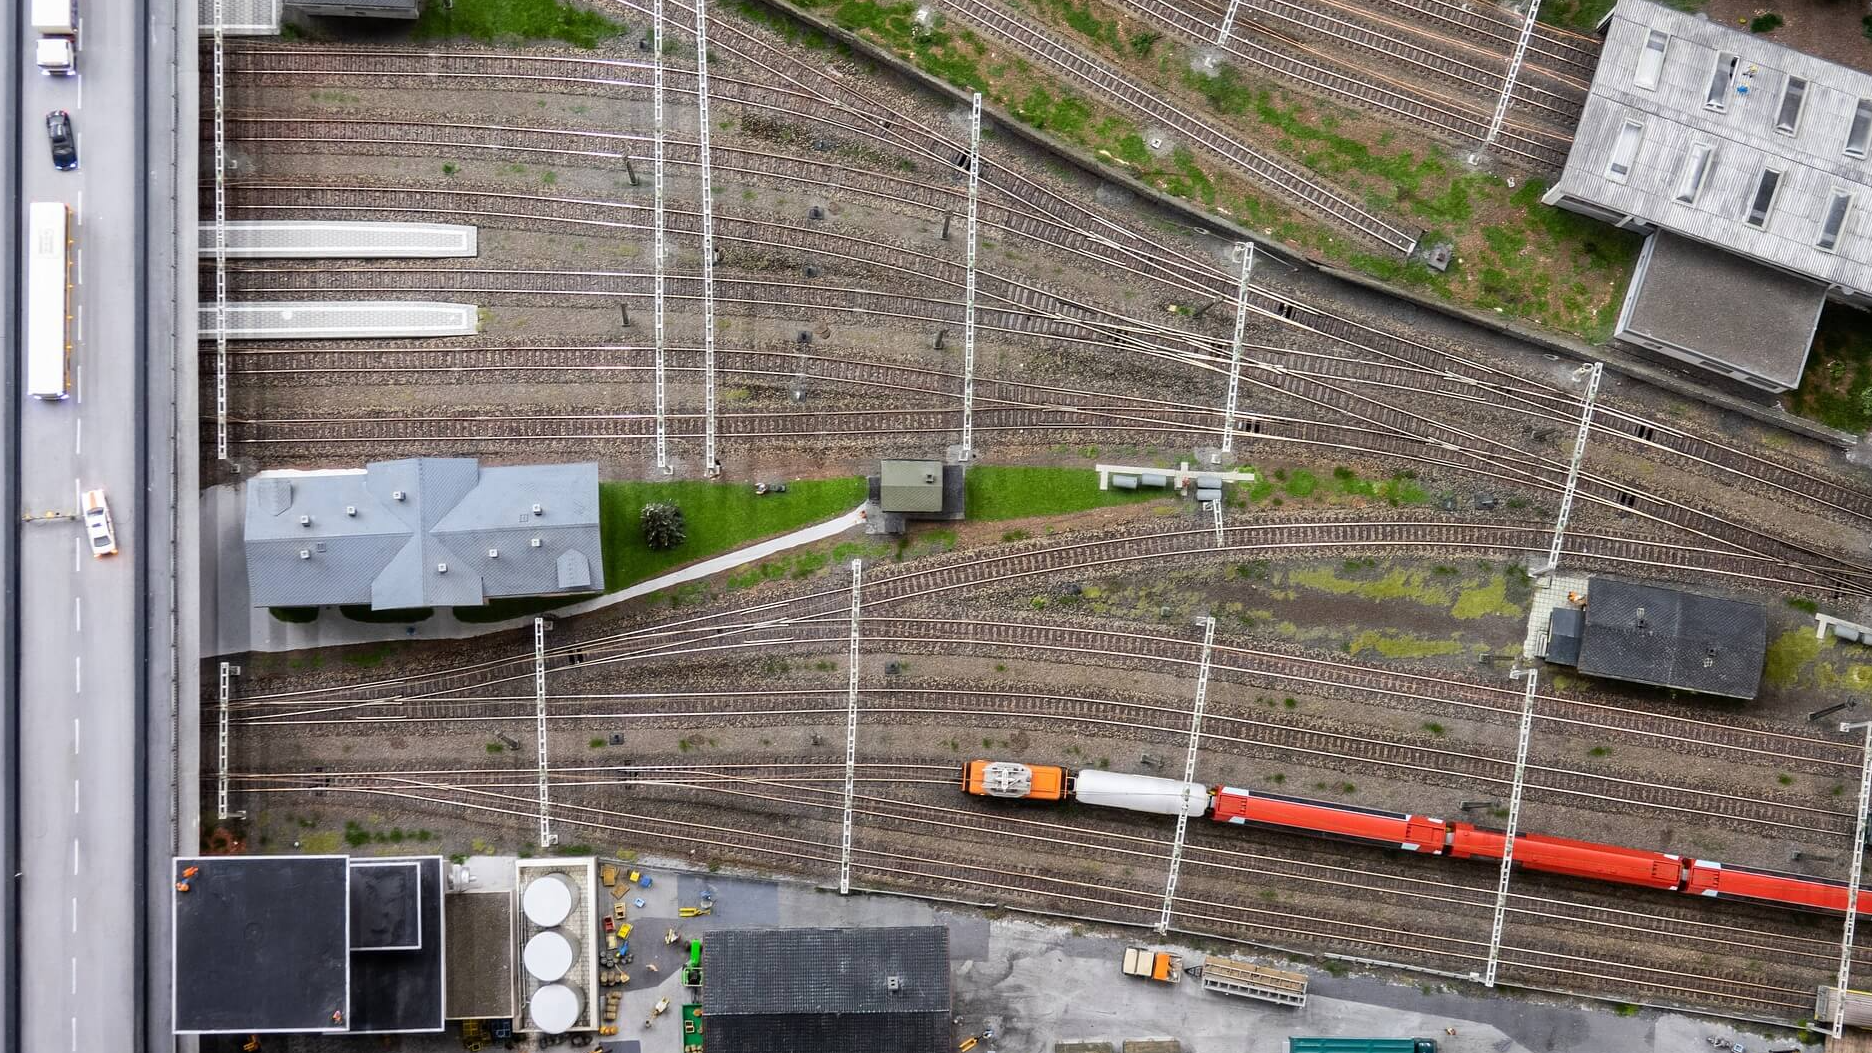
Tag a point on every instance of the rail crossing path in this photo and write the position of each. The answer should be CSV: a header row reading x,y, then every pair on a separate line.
x,y
90,761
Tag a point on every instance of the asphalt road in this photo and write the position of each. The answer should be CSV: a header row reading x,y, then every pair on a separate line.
x,y
79,669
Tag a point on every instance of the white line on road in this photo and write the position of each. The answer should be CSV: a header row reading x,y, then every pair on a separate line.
x,y
78,384
74,972
74,857
78,436
77,614
81,323
76,738
80,266
77,495
75,785
77,674
74,914
74,1035
77,555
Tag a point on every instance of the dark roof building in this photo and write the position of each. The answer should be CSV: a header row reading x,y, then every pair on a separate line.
x,y
1663,637
1741,146
422,532
308,943
883,990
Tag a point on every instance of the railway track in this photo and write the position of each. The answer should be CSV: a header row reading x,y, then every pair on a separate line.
x,y
1564,51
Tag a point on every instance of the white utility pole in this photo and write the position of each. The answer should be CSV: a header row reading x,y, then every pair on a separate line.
x,y
220,238
656,167
1235,353
1573,468
708,240
1852,883
968,302
1228,22
1189,773
851,733
1514,73
546,837
1216,508
1514,820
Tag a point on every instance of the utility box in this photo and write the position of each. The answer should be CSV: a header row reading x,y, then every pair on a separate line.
x,y
55,16
1161,966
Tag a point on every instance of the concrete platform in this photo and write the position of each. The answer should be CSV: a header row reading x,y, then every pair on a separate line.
x,y
240,18
342,319
296,239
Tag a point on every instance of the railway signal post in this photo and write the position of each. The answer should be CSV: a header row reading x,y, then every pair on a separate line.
x,y
710,466
1508,81
1532,678
1189,772
546,837
1247,251
968,304
1852,884
851,733
656,108
1573,468
222,811
220,237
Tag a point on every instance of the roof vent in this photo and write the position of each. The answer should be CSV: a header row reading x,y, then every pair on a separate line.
x,y
534,543
304,554
305,521
350,510
441,568
493,553
537,510
396,495
893,983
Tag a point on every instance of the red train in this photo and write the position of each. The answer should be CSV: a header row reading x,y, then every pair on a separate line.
x,y
1411,833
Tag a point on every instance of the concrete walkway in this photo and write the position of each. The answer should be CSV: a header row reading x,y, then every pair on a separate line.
x,y
238,627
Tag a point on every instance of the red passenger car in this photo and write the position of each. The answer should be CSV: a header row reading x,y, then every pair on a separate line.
x,y
1767,886
1583,859
1413,833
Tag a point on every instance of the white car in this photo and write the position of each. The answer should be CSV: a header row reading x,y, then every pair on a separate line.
x,y
97,521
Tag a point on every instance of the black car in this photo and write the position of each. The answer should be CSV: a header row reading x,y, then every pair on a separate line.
x,y
64,143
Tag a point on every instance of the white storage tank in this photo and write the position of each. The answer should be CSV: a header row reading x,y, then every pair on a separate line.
x,y
549,956
1139,793
548,901
555,1009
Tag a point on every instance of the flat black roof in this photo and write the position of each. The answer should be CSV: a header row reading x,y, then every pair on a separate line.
x,y
1670,638
386,904
261,944
400,990
864,990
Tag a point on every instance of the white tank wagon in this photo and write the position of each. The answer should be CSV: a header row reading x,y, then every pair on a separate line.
x,y
1140,793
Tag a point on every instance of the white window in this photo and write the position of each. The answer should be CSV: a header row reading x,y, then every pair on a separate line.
x,y
1834,223
1651,60
1695,173
1722,78
1861,131
1787,121
1765,189
1625,151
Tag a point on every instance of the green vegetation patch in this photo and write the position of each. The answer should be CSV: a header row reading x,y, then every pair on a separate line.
x,y
496,21
1396,584
1486,600
1402,645
1014,491
720,517
1837,387
1789,655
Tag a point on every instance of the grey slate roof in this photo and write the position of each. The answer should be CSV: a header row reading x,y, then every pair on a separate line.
x,y
827,990
1674,301
911,486
1674,117
418,533
1668,638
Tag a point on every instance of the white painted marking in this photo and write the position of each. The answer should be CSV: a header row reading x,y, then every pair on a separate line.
x,y
77,496
77,614
75,809
77,674
74,914
75,866
80,324
76,738
74,972
78,435
78,384
80,266
80,44
77,555
74,1045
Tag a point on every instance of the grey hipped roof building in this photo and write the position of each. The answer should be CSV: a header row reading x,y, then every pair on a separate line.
x,y
1662,637
422,532
882,990
1736,145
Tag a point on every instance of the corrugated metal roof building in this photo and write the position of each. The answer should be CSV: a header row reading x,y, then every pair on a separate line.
x,y
883,990
1664,637
422,532
910,486
1695,128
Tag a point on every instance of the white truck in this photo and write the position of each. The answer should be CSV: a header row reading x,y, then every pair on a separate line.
x,y
56,22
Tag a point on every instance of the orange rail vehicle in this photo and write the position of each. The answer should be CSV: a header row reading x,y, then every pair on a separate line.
x,y
1039,782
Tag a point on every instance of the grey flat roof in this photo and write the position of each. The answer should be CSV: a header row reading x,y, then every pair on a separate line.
x,y
911,486
386,904
422,532
1675,639
827,990
480,975
1725,307
400,991
1674,117
261,944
